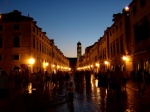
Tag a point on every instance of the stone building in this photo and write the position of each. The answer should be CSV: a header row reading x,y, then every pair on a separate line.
x,y
126,43
23,45
140,34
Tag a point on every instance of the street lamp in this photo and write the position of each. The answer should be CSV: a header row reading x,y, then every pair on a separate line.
x,y
106,63
31,62
45,65
124,58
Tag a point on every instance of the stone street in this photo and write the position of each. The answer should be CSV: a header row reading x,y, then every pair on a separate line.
x,y
88,98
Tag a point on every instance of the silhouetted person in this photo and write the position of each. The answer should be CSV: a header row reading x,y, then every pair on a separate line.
x,y
141,82
124,79
108,78
71,90
3,88
118,81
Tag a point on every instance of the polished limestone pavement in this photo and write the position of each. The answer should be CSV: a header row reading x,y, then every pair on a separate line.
x,y
88,98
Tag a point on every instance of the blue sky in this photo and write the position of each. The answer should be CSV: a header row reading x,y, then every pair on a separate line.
x,y
69,21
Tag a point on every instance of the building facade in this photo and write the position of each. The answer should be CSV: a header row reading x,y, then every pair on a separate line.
x,y
126,42
24,45
140,34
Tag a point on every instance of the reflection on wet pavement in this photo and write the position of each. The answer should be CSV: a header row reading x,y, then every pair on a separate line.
x,y
90,98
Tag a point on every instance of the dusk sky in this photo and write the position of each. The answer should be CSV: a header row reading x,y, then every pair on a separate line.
x,y
69,21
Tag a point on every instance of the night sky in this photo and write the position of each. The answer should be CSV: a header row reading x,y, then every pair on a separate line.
x,y
69,21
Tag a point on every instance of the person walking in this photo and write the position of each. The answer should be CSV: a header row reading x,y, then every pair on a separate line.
x,y
141,82
118,76
71,90
124,79
4,92
109,77
102,83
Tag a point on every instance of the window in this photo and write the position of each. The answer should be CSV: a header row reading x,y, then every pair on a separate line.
x,y
1,42
117,46
37,32
16,42
37,44
0,57
142,3
114,48
121,45
1,27
111,49
16,57
33,42
33,29
141,30
134,9
16,27
120,23
40,46
110,33
116,27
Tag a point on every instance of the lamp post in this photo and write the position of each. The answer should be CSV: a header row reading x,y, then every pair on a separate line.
x,y
31,62
45,65
106,63
125,59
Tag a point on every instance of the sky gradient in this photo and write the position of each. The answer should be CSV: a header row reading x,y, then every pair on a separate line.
x,y
69,21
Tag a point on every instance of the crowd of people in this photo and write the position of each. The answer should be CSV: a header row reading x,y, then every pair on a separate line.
x,y
114,81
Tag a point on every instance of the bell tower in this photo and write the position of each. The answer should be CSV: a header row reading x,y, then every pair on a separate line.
x,y
79,50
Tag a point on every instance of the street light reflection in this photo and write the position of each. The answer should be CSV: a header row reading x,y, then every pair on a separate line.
x,y
30,88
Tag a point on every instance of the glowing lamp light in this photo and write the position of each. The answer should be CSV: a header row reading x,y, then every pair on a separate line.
x,y
126,8
97,64
53,65
31,61
124,58
106,62
46,64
